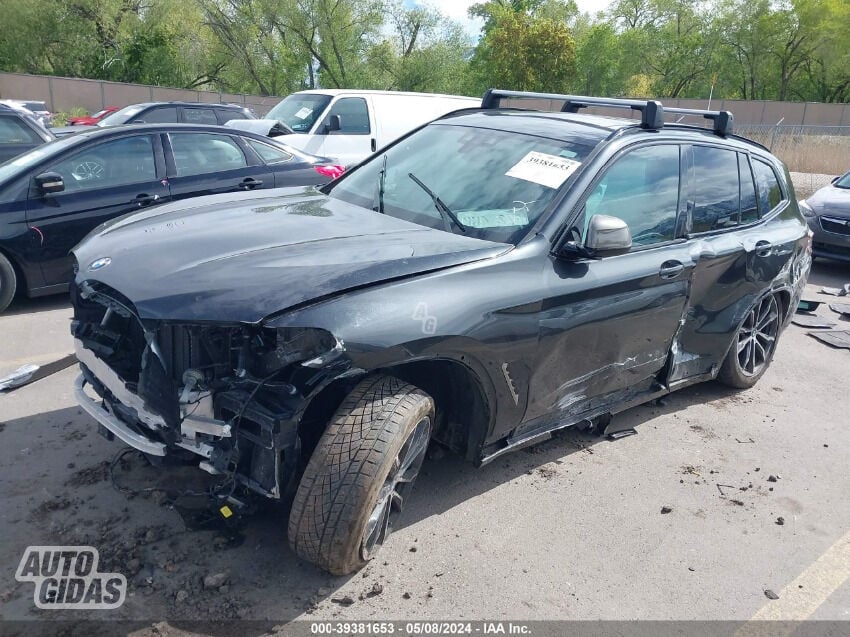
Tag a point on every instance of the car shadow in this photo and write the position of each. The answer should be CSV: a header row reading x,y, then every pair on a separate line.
x,y
23,305
167,544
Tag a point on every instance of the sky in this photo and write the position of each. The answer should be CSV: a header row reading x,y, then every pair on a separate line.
x,y
456,9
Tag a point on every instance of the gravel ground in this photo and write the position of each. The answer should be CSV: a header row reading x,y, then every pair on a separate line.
x,y
576,528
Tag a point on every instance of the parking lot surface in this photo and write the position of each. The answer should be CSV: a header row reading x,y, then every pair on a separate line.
x,y
571,529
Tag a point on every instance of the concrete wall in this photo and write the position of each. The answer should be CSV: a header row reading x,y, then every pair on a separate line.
x,y
64,94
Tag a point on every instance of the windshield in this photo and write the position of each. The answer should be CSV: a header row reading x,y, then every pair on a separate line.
x,y
480,182
299,111
121,117
844,182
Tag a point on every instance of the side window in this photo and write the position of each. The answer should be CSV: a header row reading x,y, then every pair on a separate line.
x,y
199,153
769,192
114,163
749,206
642,189
226,114
199,116
715,190
161,115
269,154
13,131
353,115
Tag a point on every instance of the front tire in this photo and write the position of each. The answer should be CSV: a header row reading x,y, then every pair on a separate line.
x,y
755,343
361,471
8,282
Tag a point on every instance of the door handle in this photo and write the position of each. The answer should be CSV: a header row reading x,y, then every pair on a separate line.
x,y
145,200
249,183
374,144
671,269
764,248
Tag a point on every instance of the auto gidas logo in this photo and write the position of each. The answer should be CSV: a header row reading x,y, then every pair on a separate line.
x,y
66,577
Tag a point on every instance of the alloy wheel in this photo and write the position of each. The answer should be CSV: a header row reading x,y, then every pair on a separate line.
x,y
390,502
757,336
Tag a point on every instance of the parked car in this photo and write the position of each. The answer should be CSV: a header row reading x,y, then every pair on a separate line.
x,y
828,214
19,132
349,125
91,120
167,113
51,197
487,279
37,107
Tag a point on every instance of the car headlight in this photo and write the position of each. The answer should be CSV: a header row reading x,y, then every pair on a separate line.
x,y
310,347
805,208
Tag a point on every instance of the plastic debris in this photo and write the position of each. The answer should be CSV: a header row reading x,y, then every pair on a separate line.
x,y
833,338
18,377
840,308
811,321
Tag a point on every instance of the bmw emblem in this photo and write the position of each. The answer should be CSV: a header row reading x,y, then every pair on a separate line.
x,y
97,264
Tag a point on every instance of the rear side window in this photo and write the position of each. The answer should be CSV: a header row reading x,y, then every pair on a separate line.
x,y
165,115
226,114
769,192
642,189
13,131
199,116
749,203
200,153
353,116
269,154
715,189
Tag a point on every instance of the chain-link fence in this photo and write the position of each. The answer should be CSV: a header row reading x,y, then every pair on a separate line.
x,y
823,150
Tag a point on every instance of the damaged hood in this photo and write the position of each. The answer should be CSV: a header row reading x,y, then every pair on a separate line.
x,y
240,258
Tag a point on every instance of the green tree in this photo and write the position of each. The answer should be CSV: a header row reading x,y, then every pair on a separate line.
x,y
522,52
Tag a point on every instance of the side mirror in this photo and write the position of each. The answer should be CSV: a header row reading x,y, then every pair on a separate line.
x,y
49,183
334,124
608,236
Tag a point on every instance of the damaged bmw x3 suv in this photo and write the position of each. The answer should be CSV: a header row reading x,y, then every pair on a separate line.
x,y
491,277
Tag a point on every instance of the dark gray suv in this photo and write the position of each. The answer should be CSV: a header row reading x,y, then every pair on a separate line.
x,y
493,276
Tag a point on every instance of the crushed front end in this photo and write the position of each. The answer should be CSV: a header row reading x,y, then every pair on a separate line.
x,y
228,396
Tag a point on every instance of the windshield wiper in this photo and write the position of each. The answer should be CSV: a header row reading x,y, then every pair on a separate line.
x,y
381,181
439,204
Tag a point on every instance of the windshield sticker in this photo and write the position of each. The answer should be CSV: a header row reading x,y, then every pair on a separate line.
x,y
304,113
547,170
494,218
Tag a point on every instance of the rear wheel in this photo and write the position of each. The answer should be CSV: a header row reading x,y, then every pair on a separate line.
x,y
755,342
8,282
359,475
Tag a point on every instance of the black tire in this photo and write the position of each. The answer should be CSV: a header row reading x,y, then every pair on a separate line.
x,y
8,282
754,344
336,521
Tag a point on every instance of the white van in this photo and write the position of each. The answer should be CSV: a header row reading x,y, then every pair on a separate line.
x,y
348,125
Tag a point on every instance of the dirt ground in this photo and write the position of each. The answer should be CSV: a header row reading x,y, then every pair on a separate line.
x,y
571,529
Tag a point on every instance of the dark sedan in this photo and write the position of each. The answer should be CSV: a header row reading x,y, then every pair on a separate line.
x,y
20,132
828,214
53,196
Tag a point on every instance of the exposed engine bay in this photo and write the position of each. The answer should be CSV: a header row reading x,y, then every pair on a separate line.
x,y
229,396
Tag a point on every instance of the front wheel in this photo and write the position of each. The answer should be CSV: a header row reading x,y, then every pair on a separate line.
x,y
755,342
360,473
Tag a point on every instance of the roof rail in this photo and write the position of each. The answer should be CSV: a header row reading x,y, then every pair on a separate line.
x,y
652,111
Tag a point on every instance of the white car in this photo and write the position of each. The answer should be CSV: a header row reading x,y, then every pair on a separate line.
x,y
349,125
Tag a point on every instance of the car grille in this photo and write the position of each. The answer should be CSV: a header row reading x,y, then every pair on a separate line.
x,y
835,225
